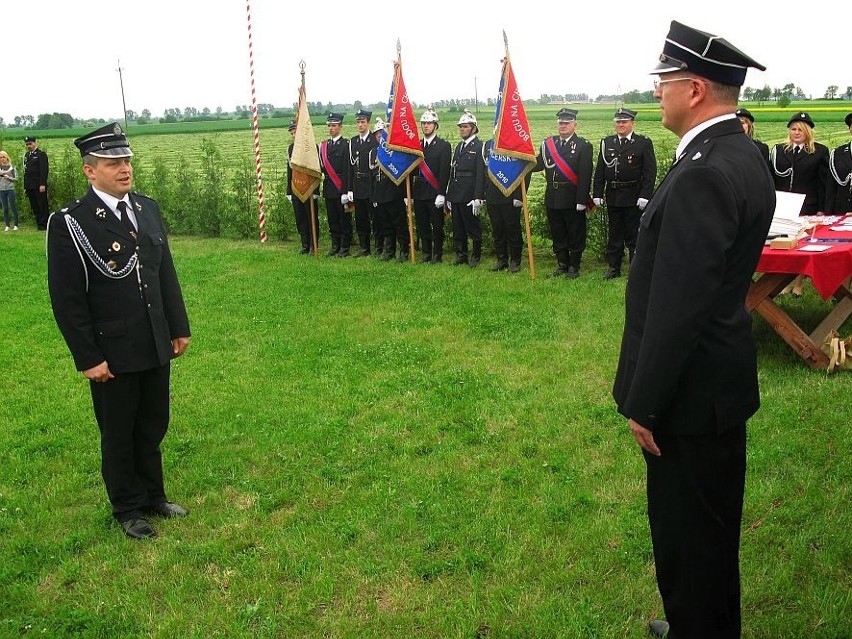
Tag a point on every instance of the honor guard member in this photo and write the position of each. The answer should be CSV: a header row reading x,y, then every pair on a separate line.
x,y
301,210
429,188
687,373
839,191
358,180
800,164
626,172
388,205
505,215
747,120
566,159
466,190
36,168
334,156
118,304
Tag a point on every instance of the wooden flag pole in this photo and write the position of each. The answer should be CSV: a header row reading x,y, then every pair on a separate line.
x,y
313,220
408,204
530,255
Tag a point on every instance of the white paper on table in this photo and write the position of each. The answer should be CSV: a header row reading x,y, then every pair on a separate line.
x,y
814,248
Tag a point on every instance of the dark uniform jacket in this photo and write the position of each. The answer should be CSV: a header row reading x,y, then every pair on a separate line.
x,y
559,192
128,321
493,194
36,167
437,157
626,171
338,158
802,173
383,189
467,173
688,363
358,167
764,150
838,198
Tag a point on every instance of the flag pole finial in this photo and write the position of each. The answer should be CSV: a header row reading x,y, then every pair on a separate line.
x,y
506,42
302,66
398,49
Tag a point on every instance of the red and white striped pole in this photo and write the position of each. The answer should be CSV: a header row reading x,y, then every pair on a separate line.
x,y
261,212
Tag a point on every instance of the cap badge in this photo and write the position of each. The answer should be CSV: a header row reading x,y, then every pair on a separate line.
x,y
116,130
697,155
138,206
101,213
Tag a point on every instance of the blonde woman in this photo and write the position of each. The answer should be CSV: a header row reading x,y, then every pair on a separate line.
x,y
8,198
800,165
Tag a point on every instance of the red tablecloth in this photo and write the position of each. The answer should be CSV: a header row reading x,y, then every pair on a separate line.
x,y
828,269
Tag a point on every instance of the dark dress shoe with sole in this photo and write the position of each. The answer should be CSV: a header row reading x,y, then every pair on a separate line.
x,y
572,273
611,274
138,528
659,628
167,509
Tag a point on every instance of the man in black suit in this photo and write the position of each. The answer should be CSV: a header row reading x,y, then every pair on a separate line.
x,y
359,182
301,210
118,304
429,189
566,159
626,171
687,373
36,168
466,191
333,159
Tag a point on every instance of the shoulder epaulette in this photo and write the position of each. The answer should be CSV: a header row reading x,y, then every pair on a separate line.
x,y
70,207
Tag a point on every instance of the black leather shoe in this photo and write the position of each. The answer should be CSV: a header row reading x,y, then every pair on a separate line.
x,y
362,253
332,251
500,266
459,261
425,258
138,528
611,274
437,259
344,252
167,509
514,267
572,273
403,257
659,628
473,262
561,269
305,250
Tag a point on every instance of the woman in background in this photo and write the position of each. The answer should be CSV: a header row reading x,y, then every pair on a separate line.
x,y
800,165
747,120
838,197
8,198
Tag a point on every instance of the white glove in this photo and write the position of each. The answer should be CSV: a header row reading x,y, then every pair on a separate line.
x,y
405,201
375,204
598,201
517,204
316,196
351,196
581,207
642,203
475,205
290,199
450,207
344,198
440,200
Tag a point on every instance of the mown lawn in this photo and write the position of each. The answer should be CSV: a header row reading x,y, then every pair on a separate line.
x,y
378,450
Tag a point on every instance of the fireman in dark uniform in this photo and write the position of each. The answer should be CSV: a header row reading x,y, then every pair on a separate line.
x,y
626,171
838,197
118,303
388,205
334,156
566,159
466,191
358,180
429,188
301,210
505,215
36,168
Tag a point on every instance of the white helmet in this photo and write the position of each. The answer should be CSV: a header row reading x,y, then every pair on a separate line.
x,y
429,115
468,118
379,125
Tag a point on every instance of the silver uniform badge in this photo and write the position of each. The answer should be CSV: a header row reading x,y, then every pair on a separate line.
x,y
101,213
116,247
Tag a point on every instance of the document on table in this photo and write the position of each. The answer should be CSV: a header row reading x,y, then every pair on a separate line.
x,y
814,248
786,219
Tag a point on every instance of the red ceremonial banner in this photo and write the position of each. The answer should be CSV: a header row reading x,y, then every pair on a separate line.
x,y
512,136
403,131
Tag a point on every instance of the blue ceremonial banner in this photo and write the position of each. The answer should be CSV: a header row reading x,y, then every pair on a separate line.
x,y
506,173
394,163
510,137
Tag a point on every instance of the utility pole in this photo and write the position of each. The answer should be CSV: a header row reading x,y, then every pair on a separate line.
x,y
123,103
475,95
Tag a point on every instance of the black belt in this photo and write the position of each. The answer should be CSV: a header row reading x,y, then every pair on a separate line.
x,y
615,184
463,173
362,175
559,185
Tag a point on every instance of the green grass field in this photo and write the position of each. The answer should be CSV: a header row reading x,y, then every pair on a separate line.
x,y
374,450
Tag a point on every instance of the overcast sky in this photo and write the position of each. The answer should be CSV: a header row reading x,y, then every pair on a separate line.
x,y
62,56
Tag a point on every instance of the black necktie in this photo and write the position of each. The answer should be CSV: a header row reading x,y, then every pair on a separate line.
x,y
622,141
125,218
561,143
796,150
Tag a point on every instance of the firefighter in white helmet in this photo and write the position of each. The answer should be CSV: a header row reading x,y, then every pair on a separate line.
x,y
429,188
466,191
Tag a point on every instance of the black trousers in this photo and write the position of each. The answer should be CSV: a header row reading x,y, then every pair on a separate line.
x,y
302,213
506,228
39,206
363,222
430,226
695,506
466,225
339,223
568,230
623,227
132,411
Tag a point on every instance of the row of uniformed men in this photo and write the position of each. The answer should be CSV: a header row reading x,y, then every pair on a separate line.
x,y
455,181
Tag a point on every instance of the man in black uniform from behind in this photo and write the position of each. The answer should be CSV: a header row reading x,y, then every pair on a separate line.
x,y
429,188
466,191
117,301
301,210
36,168
505,215
626,171
358,180
334,159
